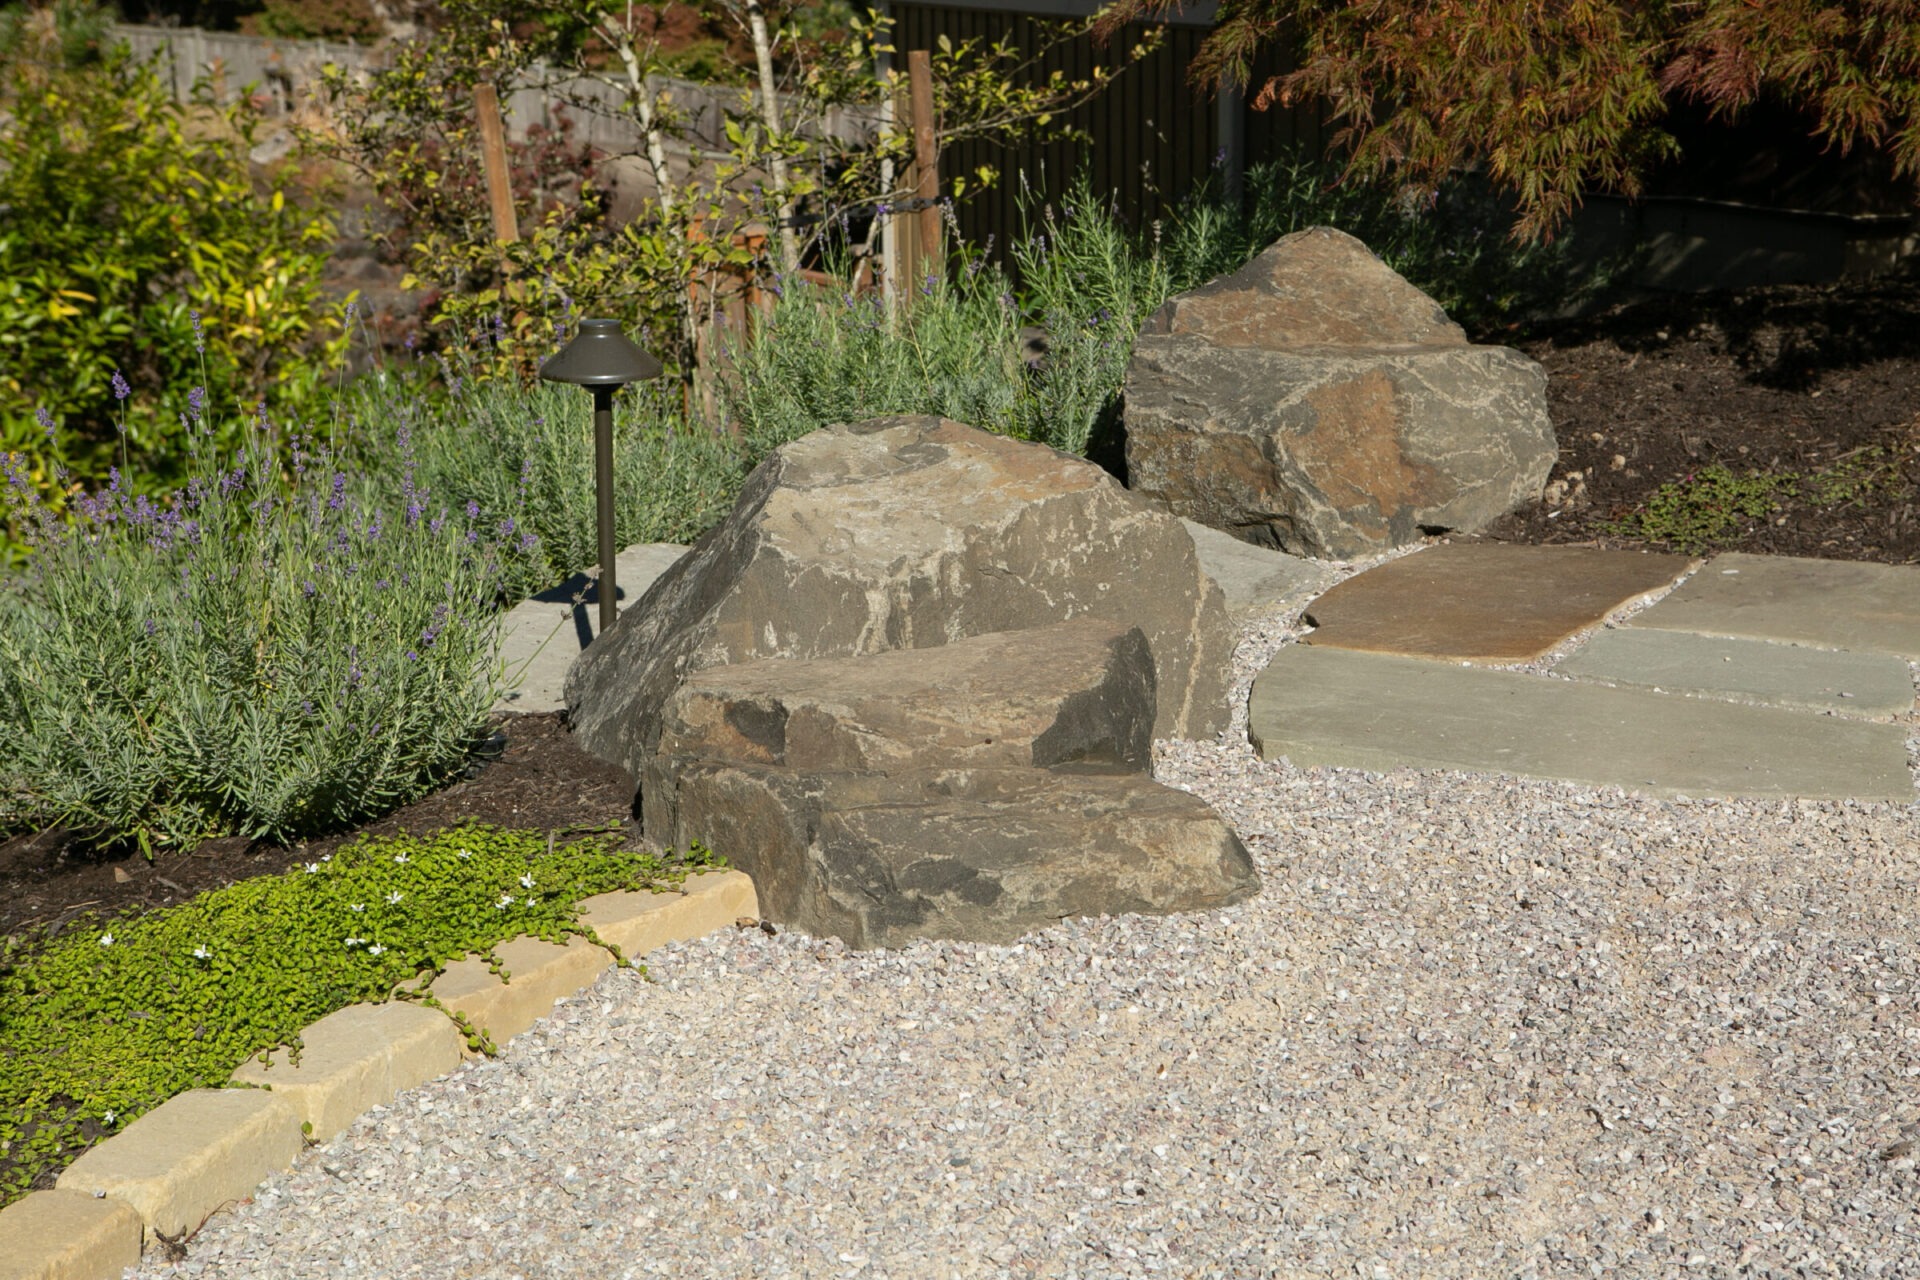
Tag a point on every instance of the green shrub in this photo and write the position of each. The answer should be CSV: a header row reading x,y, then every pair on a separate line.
x,y
133,240
115,1016
820,357
260,653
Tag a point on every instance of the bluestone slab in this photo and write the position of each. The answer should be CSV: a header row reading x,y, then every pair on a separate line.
x,y
1835,604
1781,675
1370,711
1485,602
540,637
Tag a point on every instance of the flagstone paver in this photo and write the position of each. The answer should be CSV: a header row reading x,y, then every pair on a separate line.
x,y
1485,602
1321,706
1874,685
1831,603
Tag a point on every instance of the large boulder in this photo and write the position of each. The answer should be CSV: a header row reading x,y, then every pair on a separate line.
x,y
972,791
1316,402
1075,693
982,855
908,533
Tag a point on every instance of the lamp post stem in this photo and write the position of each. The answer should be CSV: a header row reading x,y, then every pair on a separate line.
x,y
603,499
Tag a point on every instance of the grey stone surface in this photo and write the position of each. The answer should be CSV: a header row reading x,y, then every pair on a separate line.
x,y
1075,692
1315,402
1874,685
908,533
1370,711
1835,604
541,637
983,855
1251,576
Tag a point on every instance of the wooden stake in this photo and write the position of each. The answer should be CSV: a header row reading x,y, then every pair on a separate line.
x,y
926,156
493,155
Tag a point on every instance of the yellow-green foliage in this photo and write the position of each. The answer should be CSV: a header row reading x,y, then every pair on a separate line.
x,y
115,1016
134,241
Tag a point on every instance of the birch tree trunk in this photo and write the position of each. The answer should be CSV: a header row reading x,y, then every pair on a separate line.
x,y
770,114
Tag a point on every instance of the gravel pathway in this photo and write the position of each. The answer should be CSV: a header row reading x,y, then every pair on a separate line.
x,y
1472,1027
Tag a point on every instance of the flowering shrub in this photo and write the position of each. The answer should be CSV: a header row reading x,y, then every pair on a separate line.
x,y
116,1016
259,654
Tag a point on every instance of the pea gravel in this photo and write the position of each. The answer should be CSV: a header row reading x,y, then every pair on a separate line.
x,y
1472,1026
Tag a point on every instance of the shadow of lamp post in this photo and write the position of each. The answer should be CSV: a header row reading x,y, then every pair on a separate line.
x,y
602,358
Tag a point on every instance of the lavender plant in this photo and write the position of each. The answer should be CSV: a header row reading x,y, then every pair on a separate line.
x,y
501,445
261,653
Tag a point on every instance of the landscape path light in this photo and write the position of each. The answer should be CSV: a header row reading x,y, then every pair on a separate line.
x,y
604,359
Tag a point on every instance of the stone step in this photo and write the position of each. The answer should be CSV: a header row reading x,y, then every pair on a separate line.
x,y
1320,706
1833,604
1485,603
1866,685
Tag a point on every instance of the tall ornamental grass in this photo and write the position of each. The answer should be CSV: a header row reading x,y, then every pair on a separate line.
x,y
262,653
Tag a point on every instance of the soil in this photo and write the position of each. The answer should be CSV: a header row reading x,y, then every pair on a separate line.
x,y
1789,377
537,780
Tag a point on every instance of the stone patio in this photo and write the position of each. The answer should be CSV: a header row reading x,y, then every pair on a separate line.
x,y
1756,676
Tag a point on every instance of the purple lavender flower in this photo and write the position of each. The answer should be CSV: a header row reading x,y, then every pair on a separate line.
x,y
120,388
45,420
307,589
435,525
528,542
338,498
199,334
197,401
473,509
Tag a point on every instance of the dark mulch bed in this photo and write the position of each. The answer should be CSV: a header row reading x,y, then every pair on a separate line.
x,y
538,780
1793,377
1788,377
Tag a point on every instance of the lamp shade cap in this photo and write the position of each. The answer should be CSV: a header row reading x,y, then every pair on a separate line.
x,y
600,355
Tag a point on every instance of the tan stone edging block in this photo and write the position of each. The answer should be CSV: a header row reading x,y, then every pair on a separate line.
x,y
64,1235
171,1168
356,1059
638,922
191,1154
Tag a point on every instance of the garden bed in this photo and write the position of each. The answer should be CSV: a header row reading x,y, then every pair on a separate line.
x,y
1801,381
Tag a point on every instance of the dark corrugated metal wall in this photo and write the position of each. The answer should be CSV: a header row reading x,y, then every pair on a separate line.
x,y
1154,137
